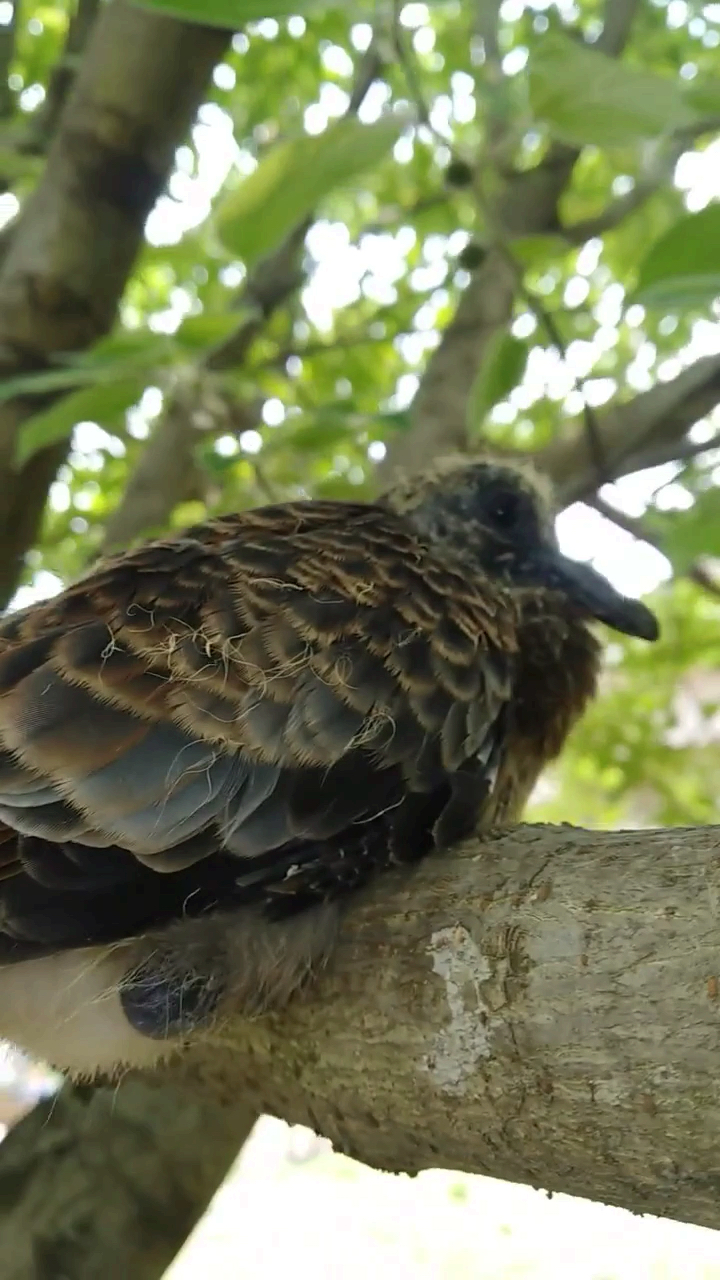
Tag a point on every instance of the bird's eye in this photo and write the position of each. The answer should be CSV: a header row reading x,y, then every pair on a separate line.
x,y
505,510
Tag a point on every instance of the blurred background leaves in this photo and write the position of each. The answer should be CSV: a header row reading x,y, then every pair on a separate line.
x,y
325,216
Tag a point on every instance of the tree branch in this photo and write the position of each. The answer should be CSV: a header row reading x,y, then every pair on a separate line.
x,y
619,17
637,528
658,172
528,205
539,1005
119,1178
440,405
135,95
654,420
675,451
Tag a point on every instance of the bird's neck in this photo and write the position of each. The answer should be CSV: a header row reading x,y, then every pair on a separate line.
x,y
558,666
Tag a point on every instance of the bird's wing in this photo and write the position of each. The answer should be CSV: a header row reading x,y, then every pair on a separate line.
x,y
263,682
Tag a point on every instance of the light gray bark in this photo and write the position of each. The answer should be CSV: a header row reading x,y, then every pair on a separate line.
x,y
541,1006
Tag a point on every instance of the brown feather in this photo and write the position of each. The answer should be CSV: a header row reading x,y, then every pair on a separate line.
x,y
258,714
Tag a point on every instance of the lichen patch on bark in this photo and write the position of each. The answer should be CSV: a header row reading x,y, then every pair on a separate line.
x,y
466,1038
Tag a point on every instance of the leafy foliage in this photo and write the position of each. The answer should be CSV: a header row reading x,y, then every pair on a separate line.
x,y
232,13
294,177
501,370
302,396
682,268
586,97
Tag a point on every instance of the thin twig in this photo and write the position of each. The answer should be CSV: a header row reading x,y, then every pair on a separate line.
x,y
406,62
276,278
491,82
545,319
675,451
402,214
263,483
630,524
636,527
348,342
702,577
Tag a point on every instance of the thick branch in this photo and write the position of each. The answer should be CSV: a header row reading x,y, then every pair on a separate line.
x,y
527,206
541,1006
439,410
658,172
654,421
139,84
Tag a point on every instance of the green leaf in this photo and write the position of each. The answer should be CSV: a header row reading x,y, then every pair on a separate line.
x,y
321,431
502,368
101,403
198,332
135,347
36,384
235,13
109,360
534,251
294,177
586,97
703,96
689,535
682,268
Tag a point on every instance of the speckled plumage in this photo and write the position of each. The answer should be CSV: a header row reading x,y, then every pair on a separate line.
x,y
233,728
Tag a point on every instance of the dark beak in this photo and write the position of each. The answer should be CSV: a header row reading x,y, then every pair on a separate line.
x,y
596,598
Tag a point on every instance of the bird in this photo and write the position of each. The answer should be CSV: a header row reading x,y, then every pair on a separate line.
x,y
209,743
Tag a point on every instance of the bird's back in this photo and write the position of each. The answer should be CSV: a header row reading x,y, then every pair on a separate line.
x,y
261,710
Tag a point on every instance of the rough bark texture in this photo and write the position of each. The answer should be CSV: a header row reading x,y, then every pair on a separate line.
x,y
440,405
139,84
541,1007
92,1186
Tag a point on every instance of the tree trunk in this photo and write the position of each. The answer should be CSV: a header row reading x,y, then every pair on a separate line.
x,y
107,1184
541,1007
140,82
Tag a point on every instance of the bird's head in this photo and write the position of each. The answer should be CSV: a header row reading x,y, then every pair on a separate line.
x,y
499,517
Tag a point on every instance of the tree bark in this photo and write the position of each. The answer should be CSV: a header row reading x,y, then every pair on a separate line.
x,y
540,1006
140,82
439,410
107,1184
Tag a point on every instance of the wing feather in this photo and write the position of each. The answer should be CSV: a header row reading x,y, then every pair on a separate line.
x,y
269,681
